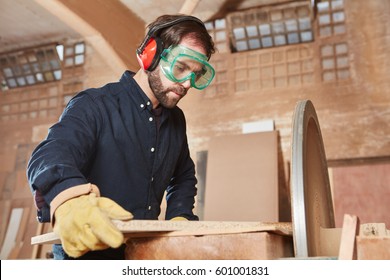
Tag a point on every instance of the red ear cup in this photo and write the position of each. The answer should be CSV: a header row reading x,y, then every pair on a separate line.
x,y
150,56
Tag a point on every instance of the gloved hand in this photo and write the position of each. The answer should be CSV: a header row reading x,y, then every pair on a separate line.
x,y
83,224
179,219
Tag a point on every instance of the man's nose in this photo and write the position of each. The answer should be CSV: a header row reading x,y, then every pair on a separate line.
x,y
187,83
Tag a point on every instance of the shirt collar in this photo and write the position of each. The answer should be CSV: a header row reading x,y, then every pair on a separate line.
x,y
135,91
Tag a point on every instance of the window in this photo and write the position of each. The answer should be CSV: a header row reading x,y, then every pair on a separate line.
x,y
74,54
30,67
39,65
335,62
217,30
331,17
270,27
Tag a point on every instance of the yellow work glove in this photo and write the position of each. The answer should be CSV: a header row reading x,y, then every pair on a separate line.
x,y
83,224
179,219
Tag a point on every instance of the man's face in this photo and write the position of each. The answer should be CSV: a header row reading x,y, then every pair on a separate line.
x,y
169,93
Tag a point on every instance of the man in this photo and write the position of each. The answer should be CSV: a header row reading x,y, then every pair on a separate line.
x,y
117,149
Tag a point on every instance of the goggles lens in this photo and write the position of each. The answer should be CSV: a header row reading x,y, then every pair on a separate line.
x,y
179,64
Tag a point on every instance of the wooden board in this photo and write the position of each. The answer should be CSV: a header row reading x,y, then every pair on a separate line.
x,y
240,246
373,247
145,228
12,231
242,178
348,238
20,235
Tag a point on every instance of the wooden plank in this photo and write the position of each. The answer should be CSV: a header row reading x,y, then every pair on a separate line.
x,y
20,234
329,242
146,228
31,230
12,230
348,238
36,247
44,250
373,247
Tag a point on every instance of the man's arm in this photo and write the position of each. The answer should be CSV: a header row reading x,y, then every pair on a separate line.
x,y
182,190
57,163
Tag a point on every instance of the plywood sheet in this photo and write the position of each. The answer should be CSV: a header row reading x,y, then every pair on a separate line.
x,y
363,190
242,178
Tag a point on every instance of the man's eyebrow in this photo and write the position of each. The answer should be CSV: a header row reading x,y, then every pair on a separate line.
x,y
201,70
182,63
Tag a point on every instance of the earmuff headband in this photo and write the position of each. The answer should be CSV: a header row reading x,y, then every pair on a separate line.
x,y
148,53
156,28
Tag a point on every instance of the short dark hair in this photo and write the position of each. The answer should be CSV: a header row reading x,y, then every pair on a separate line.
x,y
172,35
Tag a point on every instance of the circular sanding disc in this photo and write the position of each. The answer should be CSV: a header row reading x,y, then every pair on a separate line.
x,y
311,199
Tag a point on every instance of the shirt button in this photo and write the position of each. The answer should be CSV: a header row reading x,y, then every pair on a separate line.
x,y
151,180
149,207
148,103
150,119
142,105
152,150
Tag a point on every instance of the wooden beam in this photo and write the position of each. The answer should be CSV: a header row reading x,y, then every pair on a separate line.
x,y
189,7
109,26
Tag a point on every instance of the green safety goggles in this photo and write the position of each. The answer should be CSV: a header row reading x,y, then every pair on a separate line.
x,y
180,64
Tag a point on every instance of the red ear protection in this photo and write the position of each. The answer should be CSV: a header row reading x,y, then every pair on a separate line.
x,y
148,53
149,58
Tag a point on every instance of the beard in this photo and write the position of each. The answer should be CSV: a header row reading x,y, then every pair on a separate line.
x,y
162,93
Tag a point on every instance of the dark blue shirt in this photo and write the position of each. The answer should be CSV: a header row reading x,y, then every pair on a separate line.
x,y
109,137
